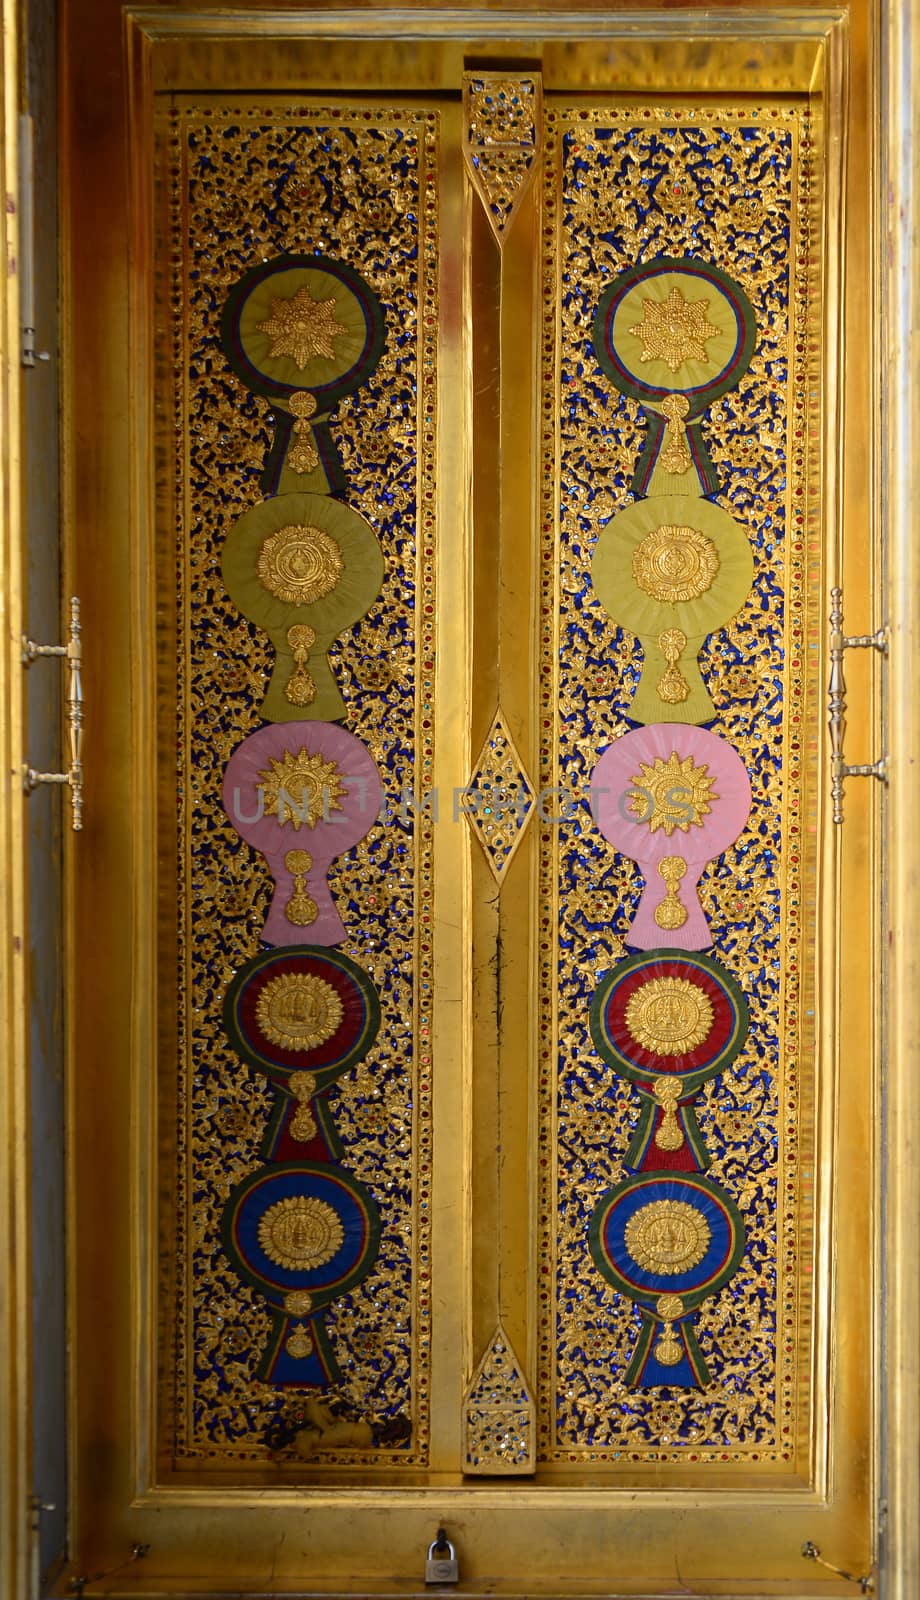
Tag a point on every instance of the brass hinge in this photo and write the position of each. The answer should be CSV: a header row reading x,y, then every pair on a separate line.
x,y
36,1506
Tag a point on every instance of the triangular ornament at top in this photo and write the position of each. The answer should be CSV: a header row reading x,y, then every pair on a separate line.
x,y
499,1415
502,134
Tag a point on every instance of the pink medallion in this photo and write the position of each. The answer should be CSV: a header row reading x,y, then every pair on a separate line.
x,y
672,797
302,793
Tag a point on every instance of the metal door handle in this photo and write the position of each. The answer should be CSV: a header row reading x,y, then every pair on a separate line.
x,y
837,704
72,653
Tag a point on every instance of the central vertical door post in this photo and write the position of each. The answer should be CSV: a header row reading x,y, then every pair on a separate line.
x,y
502,141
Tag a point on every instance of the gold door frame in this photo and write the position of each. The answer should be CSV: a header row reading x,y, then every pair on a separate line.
x,y
895,285
817,53
15,1300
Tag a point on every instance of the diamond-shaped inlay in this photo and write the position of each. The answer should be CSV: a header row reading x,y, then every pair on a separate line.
x,y
499,799
501,140
498,1414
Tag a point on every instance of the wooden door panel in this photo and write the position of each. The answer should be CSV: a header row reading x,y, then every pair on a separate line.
x,y
488,451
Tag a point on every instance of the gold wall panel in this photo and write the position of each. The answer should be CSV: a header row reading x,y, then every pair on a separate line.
x,y
240,183
732,187
213,133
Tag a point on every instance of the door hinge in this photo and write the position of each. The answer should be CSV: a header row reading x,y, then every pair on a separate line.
x,y
36,1506
26,273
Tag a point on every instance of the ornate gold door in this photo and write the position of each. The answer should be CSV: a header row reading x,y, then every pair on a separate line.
x,y
465,435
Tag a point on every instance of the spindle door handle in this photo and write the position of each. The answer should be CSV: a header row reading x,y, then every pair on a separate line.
x,y
70,653
837,703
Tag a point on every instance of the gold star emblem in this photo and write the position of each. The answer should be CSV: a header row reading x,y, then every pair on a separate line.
x,y
674,330
671,794
301,788
302,328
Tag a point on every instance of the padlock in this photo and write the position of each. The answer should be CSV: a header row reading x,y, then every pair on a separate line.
x,y
441,1565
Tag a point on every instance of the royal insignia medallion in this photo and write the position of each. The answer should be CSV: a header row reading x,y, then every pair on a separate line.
x,y
303,567
672,569
673,798
304,331
302,793
302,1010
301,1233
667,1242
675,334
668,1020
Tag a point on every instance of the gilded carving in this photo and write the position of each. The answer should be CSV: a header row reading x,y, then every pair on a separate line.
x,y
302,1086
671,913
668,1091
668,1349
675,451
672,686
675,563
299,1303
499,797
669,1306
300,688
669,1016
499,1419
674,330
302,455
301,909
303,328
667,1236
301,788
299,564
501,140
303,1125
672,794
298,1011
300,1233
299,1344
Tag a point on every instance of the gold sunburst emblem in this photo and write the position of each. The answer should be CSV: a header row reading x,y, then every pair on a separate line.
x,y
300,1232
299,564
298,1011
671,794
674,330
667,1306
299,1303
669,1016
674,563
301,788
303,328
667,1237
